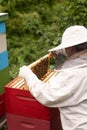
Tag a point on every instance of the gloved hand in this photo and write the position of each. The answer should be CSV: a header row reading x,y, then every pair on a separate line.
x,y
24,71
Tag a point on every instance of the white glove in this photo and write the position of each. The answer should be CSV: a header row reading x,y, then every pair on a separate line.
x,y
24,71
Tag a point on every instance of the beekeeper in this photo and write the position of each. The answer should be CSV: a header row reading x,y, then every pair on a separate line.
x,y
67,90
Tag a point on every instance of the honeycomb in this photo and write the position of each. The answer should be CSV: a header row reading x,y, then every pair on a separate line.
x,y
40,67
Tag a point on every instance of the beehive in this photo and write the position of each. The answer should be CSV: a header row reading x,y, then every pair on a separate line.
x,y
4,65
23,110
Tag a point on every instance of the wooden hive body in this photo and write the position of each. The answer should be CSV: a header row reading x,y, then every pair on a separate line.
x,y
22,106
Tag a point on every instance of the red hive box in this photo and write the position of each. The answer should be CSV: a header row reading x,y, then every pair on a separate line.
x,y
2,105
20,104
23,111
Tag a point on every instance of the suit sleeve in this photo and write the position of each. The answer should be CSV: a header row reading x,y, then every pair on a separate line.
x,y
65,89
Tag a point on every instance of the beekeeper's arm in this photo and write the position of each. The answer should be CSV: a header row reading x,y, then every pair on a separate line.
x,y
65,89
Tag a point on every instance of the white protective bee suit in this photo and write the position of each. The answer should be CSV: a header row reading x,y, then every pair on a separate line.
x,y
67,90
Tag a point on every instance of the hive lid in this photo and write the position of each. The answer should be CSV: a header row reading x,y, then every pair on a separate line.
x,y
3,17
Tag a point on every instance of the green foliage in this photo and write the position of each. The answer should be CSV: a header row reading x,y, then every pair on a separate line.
x,y
34,26
75,13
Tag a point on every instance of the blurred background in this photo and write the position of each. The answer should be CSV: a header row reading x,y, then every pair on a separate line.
x,y
34,26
